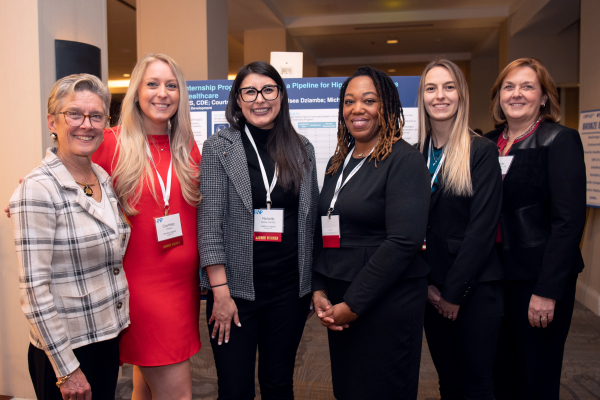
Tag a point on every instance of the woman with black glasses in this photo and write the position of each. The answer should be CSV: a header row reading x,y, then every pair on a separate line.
x,y
255,229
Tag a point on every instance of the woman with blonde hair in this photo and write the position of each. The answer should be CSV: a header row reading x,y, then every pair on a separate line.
x,y
465,298
153,160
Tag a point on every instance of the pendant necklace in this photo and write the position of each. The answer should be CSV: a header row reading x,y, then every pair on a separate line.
x,y
87,188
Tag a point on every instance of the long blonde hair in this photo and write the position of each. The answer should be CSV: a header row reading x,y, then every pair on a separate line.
x,y
133,167
456,171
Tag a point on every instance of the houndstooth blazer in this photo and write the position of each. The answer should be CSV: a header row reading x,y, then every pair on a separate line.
x,y
72,283
225,215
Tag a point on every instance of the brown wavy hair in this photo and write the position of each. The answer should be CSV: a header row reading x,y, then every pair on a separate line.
x,y
550,111
391,118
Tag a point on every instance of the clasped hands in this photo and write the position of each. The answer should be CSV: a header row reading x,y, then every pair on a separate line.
x,y
335,317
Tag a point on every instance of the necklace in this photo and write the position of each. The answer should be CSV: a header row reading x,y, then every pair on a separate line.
x,y
435,160
527,132
161,149
87,188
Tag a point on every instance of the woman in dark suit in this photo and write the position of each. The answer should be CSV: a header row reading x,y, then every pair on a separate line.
x,y
465,296
542,220
259,275
370,284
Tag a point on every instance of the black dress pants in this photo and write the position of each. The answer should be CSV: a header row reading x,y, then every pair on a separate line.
x,y
273,323
463,351
529,361
99,362
378,356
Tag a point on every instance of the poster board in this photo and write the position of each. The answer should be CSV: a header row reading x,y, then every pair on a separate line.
x,y
589,128
314,104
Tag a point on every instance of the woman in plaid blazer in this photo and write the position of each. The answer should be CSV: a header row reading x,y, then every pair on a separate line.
x,y
261,286
71,235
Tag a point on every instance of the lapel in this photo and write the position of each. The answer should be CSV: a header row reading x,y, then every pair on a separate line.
x,y
66,181
230,152
435,195
305,186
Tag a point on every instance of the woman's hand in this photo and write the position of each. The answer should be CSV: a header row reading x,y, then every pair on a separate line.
x,y
338,317
76,387
541,311
448,310
224,309
433,296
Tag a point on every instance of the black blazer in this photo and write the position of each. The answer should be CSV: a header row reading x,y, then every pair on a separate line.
x,y
543,209
462,230
383,216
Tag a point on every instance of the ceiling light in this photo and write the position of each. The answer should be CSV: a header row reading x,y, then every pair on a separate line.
x,y
120,83
231,77
392,41
391,70
126,75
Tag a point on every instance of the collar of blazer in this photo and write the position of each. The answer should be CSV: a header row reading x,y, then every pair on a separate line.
x,y
60,173
230,151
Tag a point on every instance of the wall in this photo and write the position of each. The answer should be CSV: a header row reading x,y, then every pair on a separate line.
x,y
588,285
28,30
483,71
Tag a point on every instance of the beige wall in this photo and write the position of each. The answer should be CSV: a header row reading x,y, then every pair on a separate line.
x,y
200,48
483,73
27,34
588,285
259,43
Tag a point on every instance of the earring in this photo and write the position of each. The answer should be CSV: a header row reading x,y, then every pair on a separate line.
x,y
543,104
53,136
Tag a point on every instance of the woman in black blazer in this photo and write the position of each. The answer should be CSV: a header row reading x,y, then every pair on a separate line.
x,y
465,298
370,284
542,220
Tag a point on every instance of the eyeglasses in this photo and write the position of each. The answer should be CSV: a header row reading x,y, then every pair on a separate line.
x,y
73,118
250,94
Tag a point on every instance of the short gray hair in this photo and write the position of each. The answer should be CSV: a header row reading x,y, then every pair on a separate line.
x,y
67,86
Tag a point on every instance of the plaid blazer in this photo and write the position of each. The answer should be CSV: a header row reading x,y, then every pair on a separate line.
x,y
226,217
72,283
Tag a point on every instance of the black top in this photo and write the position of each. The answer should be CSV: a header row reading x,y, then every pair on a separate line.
x,y
543,208
383,216
271,258
462,230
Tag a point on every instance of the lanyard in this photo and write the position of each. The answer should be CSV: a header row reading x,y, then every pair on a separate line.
x,y
165,191
268,188
340,184
430,156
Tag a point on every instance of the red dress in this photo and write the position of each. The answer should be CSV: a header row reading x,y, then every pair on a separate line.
x,y
164,285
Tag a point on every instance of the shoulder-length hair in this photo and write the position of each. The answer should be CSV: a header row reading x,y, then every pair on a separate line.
x,y
456,170
133,168
391,118
284,145
550,110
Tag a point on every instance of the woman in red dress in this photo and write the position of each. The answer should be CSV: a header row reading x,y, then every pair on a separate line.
x,y
153,160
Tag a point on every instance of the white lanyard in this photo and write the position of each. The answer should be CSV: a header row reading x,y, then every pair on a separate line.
x,y
263,172
430,156
340,184
165,191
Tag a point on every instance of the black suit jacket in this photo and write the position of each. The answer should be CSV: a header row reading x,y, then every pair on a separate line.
x,y
461,230
543,209
383,216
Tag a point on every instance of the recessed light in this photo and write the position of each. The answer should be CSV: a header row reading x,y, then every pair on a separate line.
x,y
126,75
391,70
231,77
392,41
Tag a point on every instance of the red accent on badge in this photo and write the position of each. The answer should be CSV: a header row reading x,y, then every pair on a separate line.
x,y
170,243
332,241
267,237
424,246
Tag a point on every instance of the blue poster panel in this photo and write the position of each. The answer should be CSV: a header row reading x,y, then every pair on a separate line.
x,y
314,105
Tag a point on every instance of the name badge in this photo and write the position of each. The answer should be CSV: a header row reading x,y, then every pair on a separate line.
x,y
268,225
168,231
505,162
330,227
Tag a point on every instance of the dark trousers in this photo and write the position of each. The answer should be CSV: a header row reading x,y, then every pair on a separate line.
x,y
99,362
463,351
273,323
379,356
529,361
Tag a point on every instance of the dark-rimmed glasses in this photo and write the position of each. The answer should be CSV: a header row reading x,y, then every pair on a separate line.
x,y
74,118
268,92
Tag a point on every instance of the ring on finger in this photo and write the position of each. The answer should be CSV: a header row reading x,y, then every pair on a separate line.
x,y
543,318
450,316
